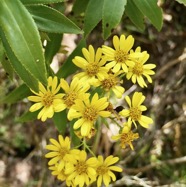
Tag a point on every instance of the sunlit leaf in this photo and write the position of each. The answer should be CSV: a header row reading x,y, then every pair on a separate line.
x,y
40,1
182,2
51,20
93,15
22,37
135,14
152,11
112,14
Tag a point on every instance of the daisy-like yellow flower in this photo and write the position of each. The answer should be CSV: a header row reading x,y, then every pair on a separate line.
x,y
119,57
60,152
105,168
48,99
126,137
140,69
88,111
111,83
73,91
81,170
92,65
134,113
60,175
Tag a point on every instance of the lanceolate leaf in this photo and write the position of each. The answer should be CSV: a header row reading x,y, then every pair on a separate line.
x,y
112,14
28,116
135,15
79,6
150,9
60,121
16,95
93,15
23,73
7,67
52,47
69,67
23,38
27,2
51,20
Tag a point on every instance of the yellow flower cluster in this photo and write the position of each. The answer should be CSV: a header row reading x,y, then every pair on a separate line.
x,y
87,100
73,166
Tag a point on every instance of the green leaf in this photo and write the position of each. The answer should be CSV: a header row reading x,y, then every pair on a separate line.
x,y
27,116
135,15
60,121
23,73
23,37
75,140
79,6
150,9
52,47
7,67
112,14
93,15
182,2
1,51
69,67
17,94
51,20
27,2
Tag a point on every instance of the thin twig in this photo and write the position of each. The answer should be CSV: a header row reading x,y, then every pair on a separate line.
x,y
154,165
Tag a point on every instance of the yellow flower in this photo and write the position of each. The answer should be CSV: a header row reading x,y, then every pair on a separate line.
x,y
104,170
140,69
126,137
120,58
88,111
81,170
73,92
92,65
60,152
60,175
134,113
112,83
47,99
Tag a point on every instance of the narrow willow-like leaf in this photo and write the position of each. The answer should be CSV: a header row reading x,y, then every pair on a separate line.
x,y
17,94
23,73
69,67
51,20
28,2
135,15
79,6
182,2
28,116
60,121
23,37
93,15
152,11
7,67
52,47
112,14
1,51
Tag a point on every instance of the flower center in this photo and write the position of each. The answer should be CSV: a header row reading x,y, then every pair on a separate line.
x,y
92,69
101,170
69,99
138,69
128,137
63,151
48,99
135,113
81,168
108,83
90,114
120,56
